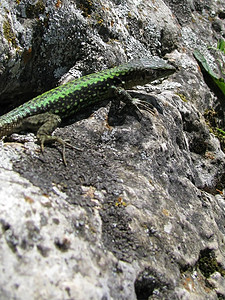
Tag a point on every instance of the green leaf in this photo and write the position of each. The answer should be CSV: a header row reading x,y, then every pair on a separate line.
x,y
202,61
220,130
221,45
220,83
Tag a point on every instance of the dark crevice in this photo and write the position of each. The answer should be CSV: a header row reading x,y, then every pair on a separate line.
x,y
147,283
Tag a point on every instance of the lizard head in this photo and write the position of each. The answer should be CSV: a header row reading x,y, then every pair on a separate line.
x,y
146,70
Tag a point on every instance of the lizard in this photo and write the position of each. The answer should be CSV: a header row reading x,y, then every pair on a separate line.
x,y
45,112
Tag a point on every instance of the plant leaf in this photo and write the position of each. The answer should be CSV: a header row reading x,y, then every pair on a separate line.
x,y
221,45
202,61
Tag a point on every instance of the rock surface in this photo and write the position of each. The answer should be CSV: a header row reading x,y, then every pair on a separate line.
x,y
139,212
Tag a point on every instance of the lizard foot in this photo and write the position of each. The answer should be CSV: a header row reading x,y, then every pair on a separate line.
x,y
51,139
143,105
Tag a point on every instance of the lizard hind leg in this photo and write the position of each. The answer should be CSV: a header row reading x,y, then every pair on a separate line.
x,y
45,124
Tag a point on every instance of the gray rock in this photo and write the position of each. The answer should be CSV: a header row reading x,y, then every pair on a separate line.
x,y
139,213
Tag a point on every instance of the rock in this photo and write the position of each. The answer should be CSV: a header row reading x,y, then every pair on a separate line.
x,y
139,212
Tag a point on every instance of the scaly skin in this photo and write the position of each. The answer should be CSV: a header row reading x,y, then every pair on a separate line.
x,y
71,97
44,113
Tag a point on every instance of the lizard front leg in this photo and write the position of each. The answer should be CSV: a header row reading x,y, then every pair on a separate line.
x,y
124,96
133,104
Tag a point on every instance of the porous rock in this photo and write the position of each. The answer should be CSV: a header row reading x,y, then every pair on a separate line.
x,y
139,212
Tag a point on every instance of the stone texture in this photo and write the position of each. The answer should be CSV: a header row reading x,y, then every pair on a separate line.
x,y
139,213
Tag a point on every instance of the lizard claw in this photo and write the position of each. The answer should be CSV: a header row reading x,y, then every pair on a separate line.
x,y
64,144
140,104
51,139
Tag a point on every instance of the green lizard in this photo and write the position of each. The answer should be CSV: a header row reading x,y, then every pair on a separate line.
x,y
44,113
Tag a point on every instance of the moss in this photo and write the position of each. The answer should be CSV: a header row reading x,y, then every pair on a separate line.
x,y
33,11
99,19
9,33
213,121
86,6
208,264
129,15
182,97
